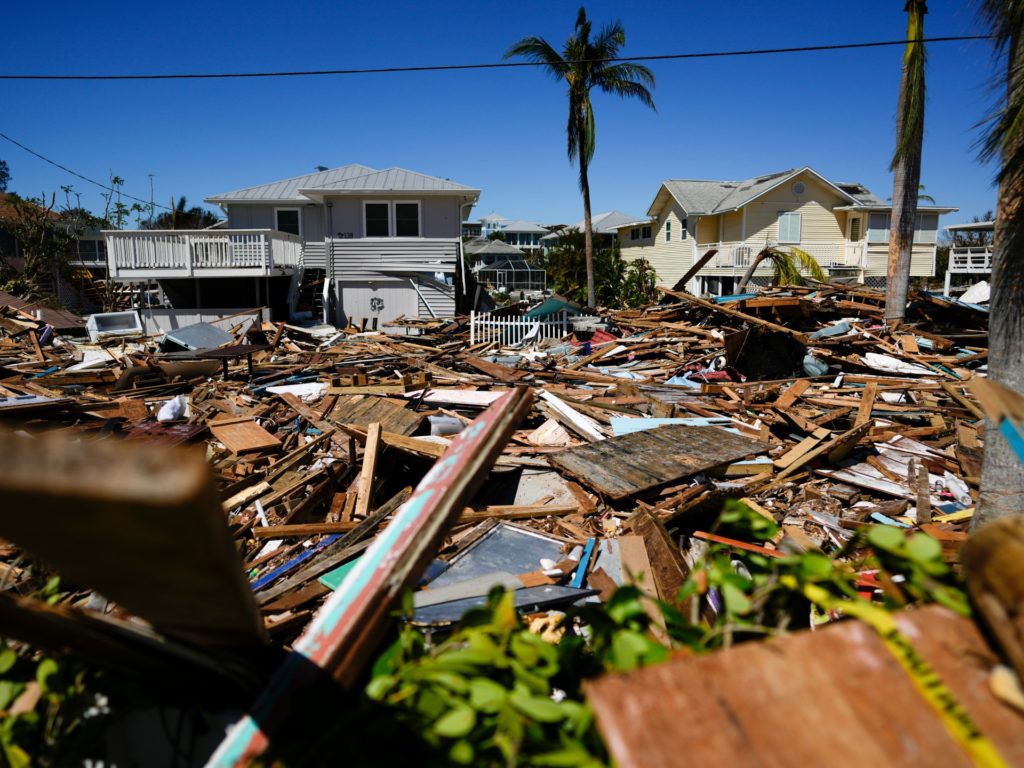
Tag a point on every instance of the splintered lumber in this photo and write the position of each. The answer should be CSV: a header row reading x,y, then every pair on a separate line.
x,y
858,706
571,418
668,570
242,435
370,453
753,320
835,449
345,630
867,401
697,266
624,466
140,523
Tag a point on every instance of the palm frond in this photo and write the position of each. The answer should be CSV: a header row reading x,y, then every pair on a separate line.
x,y
541,51
806,263
625,71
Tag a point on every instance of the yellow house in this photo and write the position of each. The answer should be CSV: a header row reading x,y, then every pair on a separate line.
x,y
842,225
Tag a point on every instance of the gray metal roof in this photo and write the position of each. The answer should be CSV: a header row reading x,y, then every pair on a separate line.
x,y
347,178
390,180
521,225
288,189
601,223
480,246
701,196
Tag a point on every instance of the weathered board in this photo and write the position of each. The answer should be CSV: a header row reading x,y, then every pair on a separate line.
x,y
836,697
242,434
365,410
624,466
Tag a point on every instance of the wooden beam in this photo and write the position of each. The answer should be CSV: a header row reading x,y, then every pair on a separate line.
x,y
867,400
370,452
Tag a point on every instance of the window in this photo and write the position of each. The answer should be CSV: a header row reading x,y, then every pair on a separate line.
x,y
646,233
926,228
668,231
855,229
407,219
878,228
789,227
682,229
377,219
288,220
634,233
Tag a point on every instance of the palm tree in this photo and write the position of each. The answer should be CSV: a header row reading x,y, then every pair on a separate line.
x,y
1002,475
906,165
583,64
786,267
181,217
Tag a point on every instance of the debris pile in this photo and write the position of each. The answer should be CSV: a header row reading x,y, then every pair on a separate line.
x,y
342,467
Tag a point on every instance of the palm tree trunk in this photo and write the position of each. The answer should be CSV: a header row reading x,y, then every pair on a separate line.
x,y
907,173
751,269
588,235
1002,474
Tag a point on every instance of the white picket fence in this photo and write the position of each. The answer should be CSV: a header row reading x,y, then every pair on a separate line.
x,y
508,331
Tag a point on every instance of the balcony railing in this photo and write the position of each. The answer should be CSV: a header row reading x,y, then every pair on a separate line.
x,y
185,253
740,255
968,259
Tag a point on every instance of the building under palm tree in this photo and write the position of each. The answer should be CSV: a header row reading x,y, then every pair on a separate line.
x,y
843,225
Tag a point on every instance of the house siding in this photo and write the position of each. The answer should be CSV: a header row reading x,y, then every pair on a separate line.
x,y
922,261
671,259
818,223
708,229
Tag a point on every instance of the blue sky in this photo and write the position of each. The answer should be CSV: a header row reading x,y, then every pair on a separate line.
x,y
499,130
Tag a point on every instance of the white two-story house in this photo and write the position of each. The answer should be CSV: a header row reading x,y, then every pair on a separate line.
x,y
386,242
843,225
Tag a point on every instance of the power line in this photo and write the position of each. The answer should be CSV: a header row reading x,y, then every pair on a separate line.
x,y
493,65
80,176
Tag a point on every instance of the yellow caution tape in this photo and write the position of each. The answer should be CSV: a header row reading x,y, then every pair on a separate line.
x,y
927,681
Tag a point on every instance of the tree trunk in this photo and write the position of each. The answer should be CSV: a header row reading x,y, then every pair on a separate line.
x,y
751,269
588,235
906,178
1002,475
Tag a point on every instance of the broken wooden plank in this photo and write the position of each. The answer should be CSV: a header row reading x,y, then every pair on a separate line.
x,y
366,477
623,466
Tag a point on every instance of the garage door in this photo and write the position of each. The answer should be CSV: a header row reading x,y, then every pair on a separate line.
x,y
383,300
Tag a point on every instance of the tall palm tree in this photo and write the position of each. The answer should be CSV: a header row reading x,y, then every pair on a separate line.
x,y
786,267
584,64
1002,475
906,165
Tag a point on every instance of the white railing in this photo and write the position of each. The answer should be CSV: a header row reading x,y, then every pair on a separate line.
x,y
740,255
191,251
484,327
975,258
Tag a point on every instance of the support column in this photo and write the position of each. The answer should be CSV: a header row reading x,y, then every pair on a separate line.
x,y
945,289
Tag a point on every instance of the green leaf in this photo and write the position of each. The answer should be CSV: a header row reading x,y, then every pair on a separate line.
x,y
16,756
8,658
886,537
815,567
9,691
462,752
450,680
46,669
923,548
456,723
538,708
485,695
736,600
378,688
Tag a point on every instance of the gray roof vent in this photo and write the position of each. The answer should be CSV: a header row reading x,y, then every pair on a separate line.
x,y
798,188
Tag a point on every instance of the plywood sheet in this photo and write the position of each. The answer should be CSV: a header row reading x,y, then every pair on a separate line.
x,y
364,410
243,435
835,697
623,466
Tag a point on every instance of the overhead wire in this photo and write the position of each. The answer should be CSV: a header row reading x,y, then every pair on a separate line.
x,y
489,65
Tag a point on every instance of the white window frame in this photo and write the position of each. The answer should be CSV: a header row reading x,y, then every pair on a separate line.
x,y
419,217
668,231
799,227
392,222
298,212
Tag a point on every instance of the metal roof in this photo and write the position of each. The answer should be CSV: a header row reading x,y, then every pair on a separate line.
x,y
347,178
521,225
480,246
973,226
602,223
288,189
